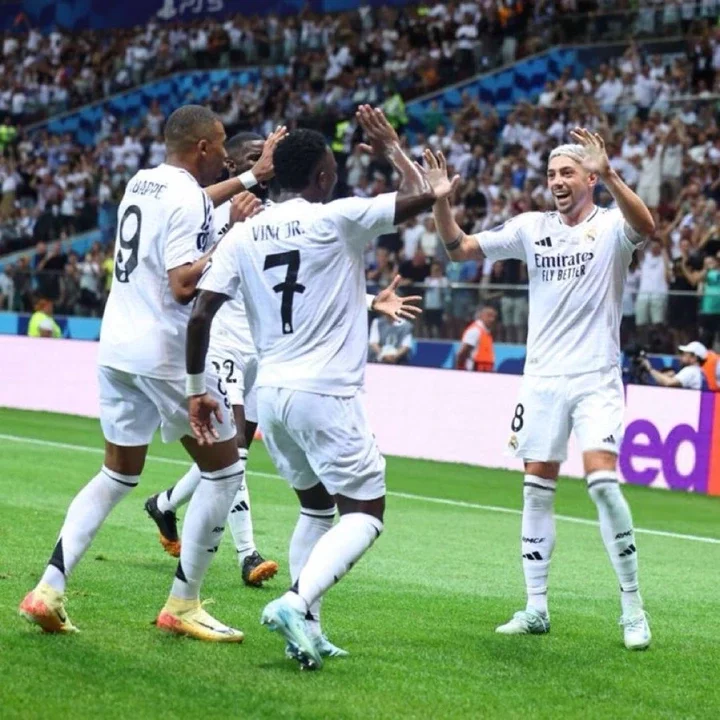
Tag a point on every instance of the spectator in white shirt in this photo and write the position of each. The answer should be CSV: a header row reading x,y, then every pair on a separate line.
x,y
7,288
630,292
437,296
411,234
672,162
651,304
644,91
609,92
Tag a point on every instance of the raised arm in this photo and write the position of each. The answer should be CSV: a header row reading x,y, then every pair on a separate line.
x,y
419,188
262,171
458,245
637,216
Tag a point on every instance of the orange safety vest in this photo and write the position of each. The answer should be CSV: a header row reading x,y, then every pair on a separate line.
x,y
709,368
484,357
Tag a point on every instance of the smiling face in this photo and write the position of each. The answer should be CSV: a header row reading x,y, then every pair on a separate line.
x,y
570,184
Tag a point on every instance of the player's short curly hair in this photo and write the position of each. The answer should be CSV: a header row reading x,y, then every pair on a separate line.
x,y
296,157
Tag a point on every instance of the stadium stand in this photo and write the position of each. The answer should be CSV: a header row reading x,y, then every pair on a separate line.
x,y
656,104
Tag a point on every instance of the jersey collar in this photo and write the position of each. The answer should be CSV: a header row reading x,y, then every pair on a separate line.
x,y
592,214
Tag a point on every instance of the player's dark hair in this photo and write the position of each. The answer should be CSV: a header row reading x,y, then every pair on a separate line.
x,y
296,157
236,142
187,125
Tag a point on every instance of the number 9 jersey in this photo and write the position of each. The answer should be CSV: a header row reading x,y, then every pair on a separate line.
x,y
165,220
300,267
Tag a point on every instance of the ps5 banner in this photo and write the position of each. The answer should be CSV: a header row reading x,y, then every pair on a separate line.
x,y
98,14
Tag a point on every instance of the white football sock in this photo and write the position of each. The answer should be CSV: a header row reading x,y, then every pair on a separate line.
x,y
616,528
85,515
333,556
240,522
538,538
181,492
204,525
310,527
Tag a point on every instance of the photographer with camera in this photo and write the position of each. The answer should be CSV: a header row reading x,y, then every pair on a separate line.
x,y
690,376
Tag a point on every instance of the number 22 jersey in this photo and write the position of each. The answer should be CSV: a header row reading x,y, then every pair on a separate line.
x,y
301,270
165,220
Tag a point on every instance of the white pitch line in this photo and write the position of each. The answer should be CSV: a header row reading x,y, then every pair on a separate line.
x,y
391,493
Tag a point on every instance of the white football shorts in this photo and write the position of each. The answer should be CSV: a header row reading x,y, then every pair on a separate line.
x,y
133,407
592,405
239,372
315,438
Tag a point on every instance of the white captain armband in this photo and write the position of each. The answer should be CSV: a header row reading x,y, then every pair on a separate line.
x,y
248,180
195,384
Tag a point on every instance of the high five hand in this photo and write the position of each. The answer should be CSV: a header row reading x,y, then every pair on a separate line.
x,y
596,159
380,133
263,169
437,175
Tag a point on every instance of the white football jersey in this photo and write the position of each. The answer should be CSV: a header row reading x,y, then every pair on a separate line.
x,y
230,327
300,267
165,220
576,276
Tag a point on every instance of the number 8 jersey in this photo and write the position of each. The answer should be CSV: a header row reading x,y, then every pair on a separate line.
x,y
300,267
165,220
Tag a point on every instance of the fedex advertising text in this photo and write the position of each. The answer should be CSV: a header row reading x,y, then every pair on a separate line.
x,y
672,437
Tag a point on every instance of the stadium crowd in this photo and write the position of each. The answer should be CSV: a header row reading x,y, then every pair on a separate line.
x,y
659,115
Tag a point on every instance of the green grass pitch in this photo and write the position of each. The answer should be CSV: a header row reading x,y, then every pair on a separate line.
x,y
417,614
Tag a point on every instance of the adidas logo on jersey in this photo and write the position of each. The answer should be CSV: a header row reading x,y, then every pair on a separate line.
x,y
545,242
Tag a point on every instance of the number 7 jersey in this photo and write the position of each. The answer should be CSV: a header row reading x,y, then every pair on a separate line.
x,y
301,271
165,220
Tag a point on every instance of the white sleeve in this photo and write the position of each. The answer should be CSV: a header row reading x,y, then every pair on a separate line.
x,y
471,336
189,231
503,242
374,338
690,377
222,273
360,220
624,233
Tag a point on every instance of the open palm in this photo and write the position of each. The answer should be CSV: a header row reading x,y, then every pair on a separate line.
x,y
436,173
596,159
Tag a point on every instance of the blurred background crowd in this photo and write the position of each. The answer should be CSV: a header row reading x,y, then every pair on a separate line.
x,y
658,112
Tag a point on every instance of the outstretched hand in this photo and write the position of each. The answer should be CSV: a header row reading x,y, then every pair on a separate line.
x,y
388,303
380,133
201,410
436,173
263,169
596,159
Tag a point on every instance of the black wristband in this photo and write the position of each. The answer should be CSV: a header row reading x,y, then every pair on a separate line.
x,y
455,244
